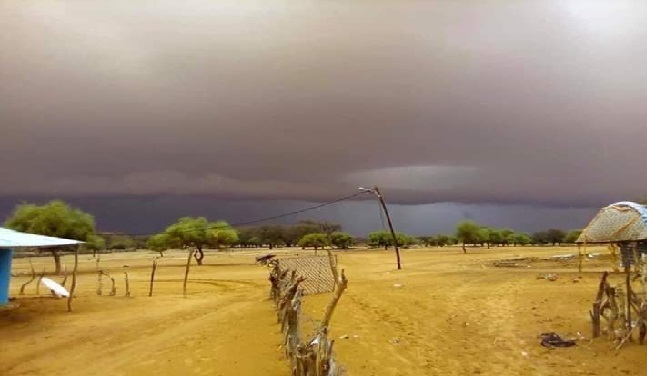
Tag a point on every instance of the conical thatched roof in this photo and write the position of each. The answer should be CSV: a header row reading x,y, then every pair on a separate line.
x,y
622,221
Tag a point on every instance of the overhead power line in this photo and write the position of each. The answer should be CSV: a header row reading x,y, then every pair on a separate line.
x,y
260,220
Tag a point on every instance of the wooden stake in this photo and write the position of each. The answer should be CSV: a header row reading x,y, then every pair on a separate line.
x,y
643,324
99,283
64,275
40,277
579,266
186,271
595,312
629,292
33,276
113,288
612,304
73,287
343,284
127,284
150,288
333,267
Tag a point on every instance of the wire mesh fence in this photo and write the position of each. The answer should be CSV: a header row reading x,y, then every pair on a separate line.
x,y
313,357
316,271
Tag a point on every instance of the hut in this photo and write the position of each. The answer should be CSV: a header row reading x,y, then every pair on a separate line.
x,y
11,240
622,224
622,221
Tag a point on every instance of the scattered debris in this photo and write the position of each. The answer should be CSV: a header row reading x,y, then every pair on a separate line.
x,y
563,257
523,353
551,277
263,260
517,262
345,336
398,285
552,339
394,340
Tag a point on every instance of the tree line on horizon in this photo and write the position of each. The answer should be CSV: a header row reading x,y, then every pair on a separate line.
x,y
57,218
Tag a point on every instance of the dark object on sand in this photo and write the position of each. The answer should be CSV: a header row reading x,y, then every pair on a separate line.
x,y
264,259
554,340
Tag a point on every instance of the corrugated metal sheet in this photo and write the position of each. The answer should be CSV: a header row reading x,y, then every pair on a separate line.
x,y
622,221
14,239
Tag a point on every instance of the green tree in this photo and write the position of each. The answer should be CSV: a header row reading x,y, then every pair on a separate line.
x,y
360,240
198,233
223,235
316,241
572,236
555,236
272,236
249,237
443,240
540,238
297,231
95,243
404,240
159,243
380,239
496,237
140,241
121,242
521,239
55,218
385,239
484,236
341,240
439,240
329,228
428,241
467,232
506,234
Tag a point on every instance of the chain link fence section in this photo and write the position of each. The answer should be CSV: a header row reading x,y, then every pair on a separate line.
x,y
316,270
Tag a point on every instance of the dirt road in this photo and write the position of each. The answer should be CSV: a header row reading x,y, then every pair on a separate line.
x,y
445,313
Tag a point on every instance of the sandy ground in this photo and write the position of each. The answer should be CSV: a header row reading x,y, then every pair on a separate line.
x,y
453,314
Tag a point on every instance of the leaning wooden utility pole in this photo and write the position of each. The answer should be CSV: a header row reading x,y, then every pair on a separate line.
x,y
376,191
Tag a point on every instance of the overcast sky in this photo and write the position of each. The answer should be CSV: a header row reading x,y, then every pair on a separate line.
x,y
506,105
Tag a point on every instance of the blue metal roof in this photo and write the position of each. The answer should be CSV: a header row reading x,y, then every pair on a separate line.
x,y
642,210
14,239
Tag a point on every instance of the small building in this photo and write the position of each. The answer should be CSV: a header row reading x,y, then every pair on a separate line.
x,y
623,224
11,240
622,221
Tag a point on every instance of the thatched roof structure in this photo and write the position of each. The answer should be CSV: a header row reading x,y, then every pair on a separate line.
x,y
622,221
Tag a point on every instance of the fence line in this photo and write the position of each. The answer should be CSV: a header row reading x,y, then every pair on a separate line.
x,y
315,356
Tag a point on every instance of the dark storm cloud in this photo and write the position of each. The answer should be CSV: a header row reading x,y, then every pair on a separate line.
x,y
526,102
151,213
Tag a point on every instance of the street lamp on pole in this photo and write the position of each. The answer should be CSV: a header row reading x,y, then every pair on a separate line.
x,y
376,191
